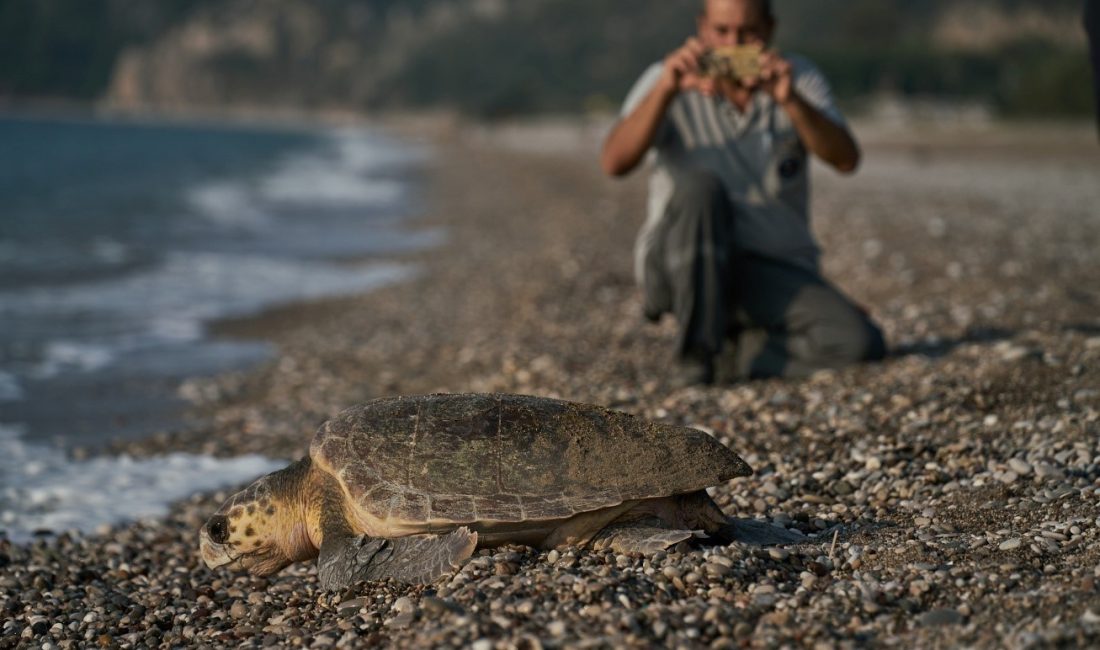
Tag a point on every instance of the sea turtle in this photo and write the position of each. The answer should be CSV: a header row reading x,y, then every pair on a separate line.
x,y
408,487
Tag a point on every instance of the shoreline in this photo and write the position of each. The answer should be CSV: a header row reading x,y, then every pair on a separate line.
x,y
944,466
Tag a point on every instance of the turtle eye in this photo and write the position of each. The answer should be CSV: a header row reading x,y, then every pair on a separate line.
x,y
218,529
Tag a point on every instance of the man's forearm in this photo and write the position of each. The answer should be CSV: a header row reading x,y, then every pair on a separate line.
x,y
632,136
823,137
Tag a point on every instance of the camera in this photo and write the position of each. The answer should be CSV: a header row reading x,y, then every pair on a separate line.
x,y
736,62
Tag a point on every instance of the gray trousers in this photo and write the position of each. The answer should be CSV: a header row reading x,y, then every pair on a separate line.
x,y
783,320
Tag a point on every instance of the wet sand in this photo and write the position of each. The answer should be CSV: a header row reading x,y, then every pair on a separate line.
x,y
963,472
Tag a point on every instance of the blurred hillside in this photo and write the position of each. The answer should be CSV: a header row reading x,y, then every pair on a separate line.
x,y
503,57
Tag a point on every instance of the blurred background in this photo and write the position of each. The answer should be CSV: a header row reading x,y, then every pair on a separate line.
x,y
502,58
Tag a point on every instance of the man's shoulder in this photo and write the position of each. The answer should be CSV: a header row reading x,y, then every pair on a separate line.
x,y
650,74
812,85
803,65
645,83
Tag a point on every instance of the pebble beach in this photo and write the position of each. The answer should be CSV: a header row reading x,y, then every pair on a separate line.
x,y
950,495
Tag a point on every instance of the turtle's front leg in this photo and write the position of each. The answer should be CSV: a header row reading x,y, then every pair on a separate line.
x,y
417,559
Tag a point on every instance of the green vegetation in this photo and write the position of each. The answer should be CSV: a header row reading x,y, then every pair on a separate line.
x,y
62,48
873,46
548,55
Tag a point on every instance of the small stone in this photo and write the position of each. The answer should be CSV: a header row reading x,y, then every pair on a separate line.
x,y
238,610
437,606
402,620
552,556
1019,353
1086,395
349,607
1045,470
556,628
525,607
482,644
779,554
403,604
720,559
1010,544
717,570
938,617
1020,466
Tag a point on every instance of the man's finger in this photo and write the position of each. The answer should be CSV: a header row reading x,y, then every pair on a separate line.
x,y
772,62
681,65
689,61
692,81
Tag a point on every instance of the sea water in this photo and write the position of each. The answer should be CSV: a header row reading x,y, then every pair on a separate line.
x,y
120,243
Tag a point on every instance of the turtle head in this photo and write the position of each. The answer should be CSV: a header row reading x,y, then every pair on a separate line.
x,y
259,529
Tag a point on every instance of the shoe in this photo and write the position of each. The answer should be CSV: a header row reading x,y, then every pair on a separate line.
x,y
727,364
692,372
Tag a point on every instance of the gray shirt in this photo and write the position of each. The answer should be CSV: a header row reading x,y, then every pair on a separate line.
x,y
757,154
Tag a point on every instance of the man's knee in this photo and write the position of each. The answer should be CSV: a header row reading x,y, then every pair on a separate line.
x,y
843,335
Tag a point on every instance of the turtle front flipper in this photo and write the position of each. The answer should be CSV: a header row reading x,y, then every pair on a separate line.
x,y
417,559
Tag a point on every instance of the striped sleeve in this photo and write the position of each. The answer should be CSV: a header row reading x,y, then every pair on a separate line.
x,y
812,86
642,87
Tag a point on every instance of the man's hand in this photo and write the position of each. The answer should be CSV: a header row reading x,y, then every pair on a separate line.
x,y
681,70
824,138
776,77
631,136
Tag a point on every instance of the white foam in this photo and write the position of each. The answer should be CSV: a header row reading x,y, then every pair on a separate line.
x,y
70,356
342,172
109,251
338,174
172,302
228,203
41,489
10,389
369,151
309,182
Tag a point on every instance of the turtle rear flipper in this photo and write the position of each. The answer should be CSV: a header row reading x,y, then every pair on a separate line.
x,y
752,531
417,559
642,536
